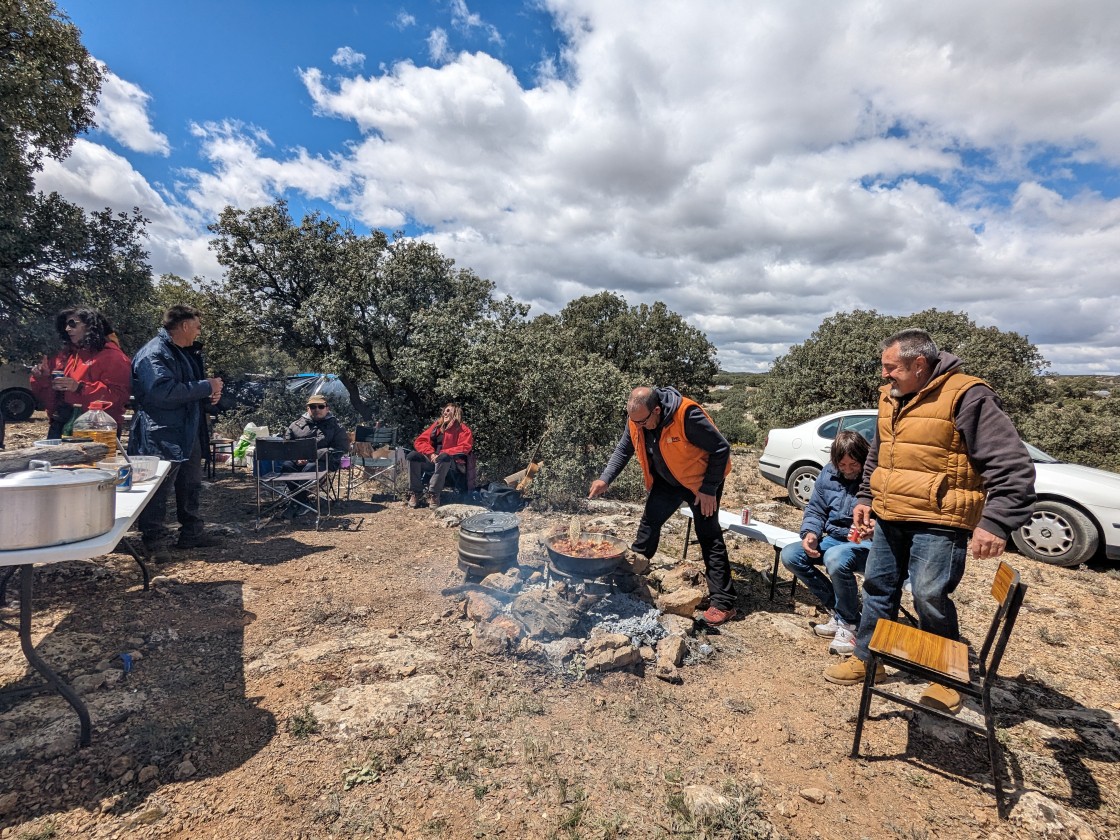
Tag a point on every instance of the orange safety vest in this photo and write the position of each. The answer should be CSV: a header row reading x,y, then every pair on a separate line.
x,y
687,462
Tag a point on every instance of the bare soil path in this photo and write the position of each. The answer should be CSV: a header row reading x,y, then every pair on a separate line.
x,y
303,684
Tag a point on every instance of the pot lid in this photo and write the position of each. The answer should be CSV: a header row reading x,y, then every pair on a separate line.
x,y
31,479
489,523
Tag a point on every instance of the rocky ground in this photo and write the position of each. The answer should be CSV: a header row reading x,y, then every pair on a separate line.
x,y
304,684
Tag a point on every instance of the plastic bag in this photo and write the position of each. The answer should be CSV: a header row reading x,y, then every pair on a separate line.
x,y
251,433
502,498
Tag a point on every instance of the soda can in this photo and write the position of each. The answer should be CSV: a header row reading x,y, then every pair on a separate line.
x,y
124,478
746,518
854,535
57,374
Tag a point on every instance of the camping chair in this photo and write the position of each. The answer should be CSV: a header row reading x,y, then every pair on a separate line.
x,y
278,488
373,458
945,661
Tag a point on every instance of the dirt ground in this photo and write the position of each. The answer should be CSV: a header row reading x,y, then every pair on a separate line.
x,y
304,684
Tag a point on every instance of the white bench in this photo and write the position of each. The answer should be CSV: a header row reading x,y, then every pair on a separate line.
x,y
761,531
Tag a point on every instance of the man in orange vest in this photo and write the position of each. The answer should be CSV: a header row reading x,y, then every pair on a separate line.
x,y
684,459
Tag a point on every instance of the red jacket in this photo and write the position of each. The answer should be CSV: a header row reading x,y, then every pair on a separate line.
x,y
105,374
457,440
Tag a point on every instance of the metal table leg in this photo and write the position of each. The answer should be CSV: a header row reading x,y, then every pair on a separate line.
x,y
36,661
128,544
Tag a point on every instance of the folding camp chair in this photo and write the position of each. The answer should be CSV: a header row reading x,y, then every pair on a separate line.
x,y
374,458
277,488
945,661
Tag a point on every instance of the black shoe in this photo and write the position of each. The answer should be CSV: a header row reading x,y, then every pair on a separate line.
x,y
158,551
202,540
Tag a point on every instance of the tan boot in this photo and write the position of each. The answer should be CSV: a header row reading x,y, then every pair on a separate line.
x,y
413,502
851,672
937,696
433,500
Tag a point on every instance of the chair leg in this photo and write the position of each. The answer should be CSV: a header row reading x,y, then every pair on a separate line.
x,y
864,703
993,751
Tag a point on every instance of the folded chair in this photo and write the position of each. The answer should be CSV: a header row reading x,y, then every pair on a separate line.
x,y
937,659
276,489
369,460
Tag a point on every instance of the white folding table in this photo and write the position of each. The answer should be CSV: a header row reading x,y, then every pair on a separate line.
x,y
761,531
128,506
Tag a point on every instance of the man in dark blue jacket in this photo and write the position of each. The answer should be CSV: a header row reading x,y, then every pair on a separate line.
x,y
171,394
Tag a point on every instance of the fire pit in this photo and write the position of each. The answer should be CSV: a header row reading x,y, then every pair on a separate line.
x,y
593,555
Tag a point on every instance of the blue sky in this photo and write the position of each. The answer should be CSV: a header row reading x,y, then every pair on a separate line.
x,y
758,166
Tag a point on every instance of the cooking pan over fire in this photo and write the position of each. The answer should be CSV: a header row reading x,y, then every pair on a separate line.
x,y
591,555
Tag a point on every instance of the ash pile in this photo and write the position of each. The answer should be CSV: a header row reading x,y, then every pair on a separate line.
x,y
637,615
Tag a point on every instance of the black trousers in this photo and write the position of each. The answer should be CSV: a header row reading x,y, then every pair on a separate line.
x,y
663,501
185,478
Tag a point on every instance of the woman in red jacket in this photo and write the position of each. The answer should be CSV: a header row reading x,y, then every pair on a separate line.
x,y
446,443
92,366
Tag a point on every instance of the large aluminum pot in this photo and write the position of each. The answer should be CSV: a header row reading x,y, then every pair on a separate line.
x,y
40,508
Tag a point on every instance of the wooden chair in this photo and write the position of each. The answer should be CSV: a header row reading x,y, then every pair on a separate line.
x,y
937,659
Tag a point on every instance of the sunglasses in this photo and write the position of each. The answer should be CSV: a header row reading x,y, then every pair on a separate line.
x,y
74,322
316,406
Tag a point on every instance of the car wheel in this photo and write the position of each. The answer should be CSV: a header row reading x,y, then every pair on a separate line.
x,y
17,405
800,483
1057,534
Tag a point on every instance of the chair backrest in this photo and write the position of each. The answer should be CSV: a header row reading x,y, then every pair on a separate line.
x,y
278,449
1008,590
376,435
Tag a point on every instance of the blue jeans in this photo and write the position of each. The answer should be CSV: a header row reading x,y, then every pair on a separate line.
x,y
842,560
933,557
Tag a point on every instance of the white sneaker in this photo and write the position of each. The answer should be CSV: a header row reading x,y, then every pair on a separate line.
x,y
907,588
844,642
828,629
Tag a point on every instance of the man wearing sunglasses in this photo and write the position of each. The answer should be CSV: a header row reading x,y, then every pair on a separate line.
x,y
684,458
331,442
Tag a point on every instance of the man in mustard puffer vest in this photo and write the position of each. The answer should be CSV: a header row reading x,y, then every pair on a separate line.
x,y
947,472
684,458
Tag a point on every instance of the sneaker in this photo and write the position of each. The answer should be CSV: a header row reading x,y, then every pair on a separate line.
x,y
433,500
714,616
828,629
844,641
202,540
907,588
413,502
937,696
851,672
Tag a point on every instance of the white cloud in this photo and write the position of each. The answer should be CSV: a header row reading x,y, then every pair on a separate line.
x,y
348,58
438,49
404,20
758,166
122,113
465,19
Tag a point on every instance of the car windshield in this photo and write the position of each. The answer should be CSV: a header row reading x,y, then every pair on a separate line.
x,y
1038,456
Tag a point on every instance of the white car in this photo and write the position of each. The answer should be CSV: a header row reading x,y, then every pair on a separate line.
x,y
1077,512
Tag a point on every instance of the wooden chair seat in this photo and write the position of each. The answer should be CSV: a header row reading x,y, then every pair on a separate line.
x,y
900,643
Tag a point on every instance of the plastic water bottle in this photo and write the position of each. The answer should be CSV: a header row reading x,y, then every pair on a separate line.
x,y
97,425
